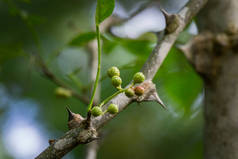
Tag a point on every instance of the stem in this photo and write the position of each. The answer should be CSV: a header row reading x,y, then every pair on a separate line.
x,y
112,96
115,94
98,70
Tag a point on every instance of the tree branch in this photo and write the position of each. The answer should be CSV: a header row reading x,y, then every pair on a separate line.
x,y
84,135
162,48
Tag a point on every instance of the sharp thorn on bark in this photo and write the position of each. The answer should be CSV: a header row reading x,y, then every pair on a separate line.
x,y
172,21
165,13
74,120
158,100
70,114
162,104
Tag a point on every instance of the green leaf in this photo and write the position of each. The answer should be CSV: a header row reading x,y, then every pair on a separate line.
x,y
179,82
142,48
104,9
82,39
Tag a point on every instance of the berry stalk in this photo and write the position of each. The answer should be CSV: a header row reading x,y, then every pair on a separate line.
x,y
112,96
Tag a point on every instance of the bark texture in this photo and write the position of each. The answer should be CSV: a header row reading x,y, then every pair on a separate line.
x,y
220,16
215,56
221,112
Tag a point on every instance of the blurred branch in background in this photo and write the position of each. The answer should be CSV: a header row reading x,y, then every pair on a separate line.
x,y
92,149
15,10
81,135
49,75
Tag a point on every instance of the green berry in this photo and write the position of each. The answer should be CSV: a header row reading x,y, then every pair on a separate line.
x,y
139,77
63,92
112,109
116,81
129,92
139,90
96,111
113,71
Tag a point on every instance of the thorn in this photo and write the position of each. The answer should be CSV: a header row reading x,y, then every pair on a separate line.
x,y
70,114
158,100
162,104
74,120
172,21
165,13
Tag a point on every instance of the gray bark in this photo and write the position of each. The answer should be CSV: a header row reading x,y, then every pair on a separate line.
x,y
220,18
221,112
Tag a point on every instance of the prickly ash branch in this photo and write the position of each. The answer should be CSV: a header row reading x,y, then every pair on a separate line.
x,y
83,134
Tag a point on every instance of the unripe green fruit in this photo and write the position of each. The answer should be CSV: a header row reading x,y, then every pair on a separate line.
x,y
112,109
63,92
129,92
96,111
116,81
113,71
139,77
139,90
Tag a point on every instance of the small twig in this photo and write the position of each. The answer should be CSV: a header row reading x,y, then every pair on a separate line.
x,y
111,97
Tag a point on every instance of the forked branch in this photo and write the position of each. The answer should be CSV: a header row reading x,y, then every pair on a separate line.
x,y
82,134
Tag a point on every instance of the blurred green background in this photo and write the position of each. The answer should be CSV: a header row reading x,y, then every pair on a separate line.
x,y
31,113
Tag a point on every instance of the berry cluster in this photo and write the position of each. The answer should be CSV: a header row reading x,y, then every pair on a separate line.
x,y
114,74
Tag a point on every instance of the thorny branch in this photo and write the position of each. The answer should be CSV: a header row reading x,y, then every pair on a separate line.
x,y
84,134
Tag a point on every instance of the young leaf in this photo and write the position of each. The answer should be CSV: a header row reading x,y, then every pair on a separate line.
x,y
104,9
